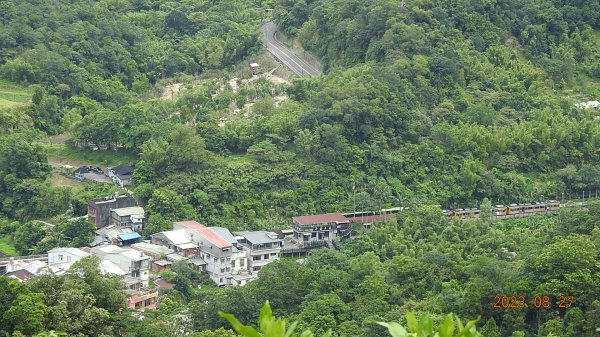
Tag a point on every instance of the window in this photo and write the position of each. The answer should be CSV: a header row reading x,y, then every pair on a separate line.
x,y
266,256
221,280
60,257
222,260
255,268
222,270
228,259
233,264
216,259
273,254
256,258
242,262
228,269
68,258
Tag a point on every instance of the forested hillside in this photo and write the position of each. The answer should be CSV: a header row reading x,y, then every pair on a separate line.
x,y
422,103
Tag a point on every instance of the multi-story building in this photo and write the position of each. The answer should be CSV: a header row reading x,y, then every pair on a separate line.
x,y
135,263
99,209
226,263
263,247
128,217
320,227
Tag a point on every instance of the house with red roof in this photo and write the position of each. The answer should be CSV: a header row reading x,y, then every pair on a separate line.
x,y
226,260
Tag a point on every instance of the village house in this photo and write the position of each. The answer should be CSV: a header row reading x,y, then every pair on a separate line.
x,y
121,175
99,209
178,240
264,247
22,268
58,256
135,263
320,227
115,235
226,263
130,217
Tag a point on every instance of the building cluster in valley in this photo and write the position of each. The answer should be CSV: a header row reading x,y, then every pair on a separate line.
x,y
229,259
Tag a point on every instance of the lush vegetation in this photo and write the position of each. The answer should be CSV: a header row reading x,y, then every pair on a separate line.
x,y
271,326
12,95
420,263
424,103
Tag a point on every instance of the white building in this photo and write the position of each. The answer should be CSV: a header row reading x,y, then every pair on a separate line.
x,y
226,262
135,263
58,256
264,248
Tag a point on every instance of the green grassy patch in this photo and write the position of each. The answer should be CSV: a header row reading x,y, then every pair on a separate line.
x,y
85,155
6,247
239,159
13,95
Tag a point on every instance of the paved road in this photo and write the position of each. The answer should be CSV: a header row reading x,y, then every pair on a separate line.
x,y
284,54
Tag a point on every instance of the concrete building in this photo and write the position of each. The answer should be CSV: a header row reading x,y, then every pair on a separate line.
x,y
226,263
121,175
320,227
34,264
115,235
128,217
178,240
135,263
59,256
263,247
99,209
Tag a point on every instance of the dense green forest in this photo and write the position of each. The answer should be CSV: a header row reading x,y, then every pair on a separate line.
x,y
443,103
423,103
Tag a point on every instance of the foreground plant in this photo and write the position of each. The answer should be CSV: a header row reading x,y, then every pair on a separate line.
x,y
424,327
270,326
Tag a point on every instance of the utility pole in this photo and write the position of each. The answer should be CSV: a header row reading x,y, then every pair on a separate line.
x,y
354,194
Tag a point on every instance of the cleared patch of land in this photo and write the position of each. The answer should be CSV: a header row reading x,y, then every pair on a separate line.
x,y
63,154
170,91
58,180
12,95
6,247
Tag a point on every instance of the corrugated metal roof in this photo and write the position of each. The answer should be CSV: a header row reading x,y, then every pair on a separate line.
x,y
129,236
191,224
177,237
176,257
128,211
258,237
73,251
150,247
224,233
320,218
214,238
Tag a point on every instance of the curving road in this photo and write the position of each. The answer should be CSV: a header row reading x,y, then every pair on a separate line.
x,y
284,54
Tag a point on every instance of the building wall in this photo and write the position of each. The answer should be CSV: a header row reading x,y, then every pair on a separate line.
x,y
261,257
143,301
55,258
318,232
126,264
99,210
